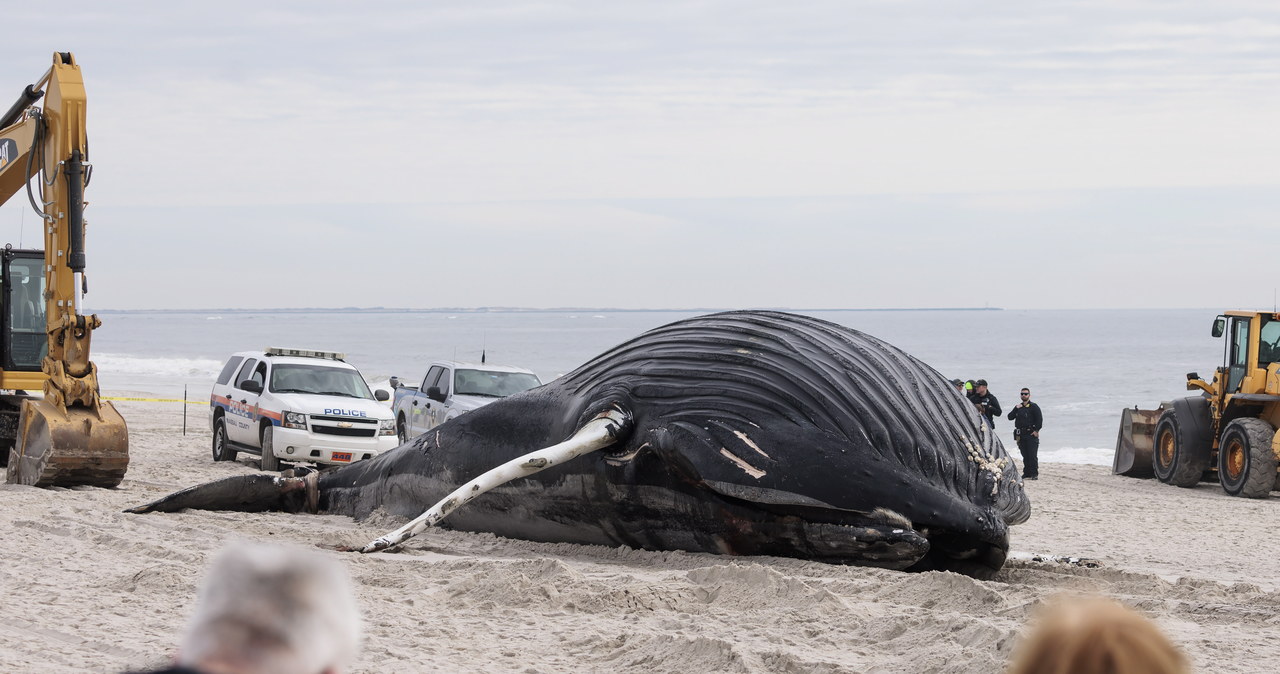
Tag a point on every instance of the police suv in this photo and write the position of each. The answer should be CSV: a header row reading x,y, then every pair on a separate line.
x,y
297,405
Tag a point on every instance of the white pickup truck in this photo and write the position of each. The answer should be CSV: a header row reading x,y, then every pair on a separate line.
x,y
451,388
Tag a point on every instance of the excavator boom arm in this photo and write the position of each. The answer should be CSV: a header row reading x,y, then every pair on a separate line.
x,y
71,436
16,145
51,146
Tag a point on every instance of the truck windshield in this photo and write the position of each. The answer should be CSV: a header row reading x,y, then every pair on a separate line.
x,y
493,384
322,379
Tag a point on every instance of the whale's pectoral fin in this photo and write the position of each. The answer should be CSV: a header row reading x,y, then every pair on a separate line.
x,y
244,493
603,431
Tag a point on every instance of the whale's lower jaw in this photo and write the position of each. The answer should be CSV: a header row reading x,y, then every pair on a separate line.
x,y
963,554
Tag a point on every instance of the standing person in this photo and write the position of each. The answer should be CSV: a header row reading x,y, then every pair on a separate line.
x,y
986,402
959,386
1027,421
270,609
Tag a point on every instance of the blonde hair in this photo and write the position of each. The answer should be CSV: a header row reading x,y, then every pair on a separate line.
x,y
1097,636
271,608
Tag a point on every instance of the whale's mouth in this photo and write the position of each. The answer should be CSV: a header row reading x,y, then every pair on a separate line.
x,y
964,554
871,544
867,543
773,522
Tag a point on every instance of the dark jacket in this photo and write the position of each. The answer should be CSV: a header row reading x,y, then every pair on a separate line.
x,y
1026,416
990,406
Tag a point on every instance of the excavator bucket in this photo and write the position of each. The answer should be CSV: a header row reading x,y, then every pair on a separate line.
x,y
1135,443
64,447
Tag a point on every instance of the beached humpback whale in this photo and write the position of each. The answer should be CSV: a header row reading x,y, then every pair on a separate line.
x,y
746,433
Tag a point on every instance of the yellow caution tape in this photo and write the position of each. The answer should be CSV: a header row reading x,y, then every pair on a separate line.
x,y
158,400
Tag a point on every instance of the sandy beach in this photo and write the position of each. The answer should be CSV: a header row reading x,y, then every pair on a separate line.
x,y
89,588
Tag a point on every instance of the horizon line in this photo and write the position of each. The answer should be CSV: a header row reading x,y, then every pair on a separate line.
x,y
506,309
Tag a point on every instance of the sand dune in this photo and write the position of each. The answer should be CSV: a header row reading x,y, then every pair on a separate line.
x,y
88,588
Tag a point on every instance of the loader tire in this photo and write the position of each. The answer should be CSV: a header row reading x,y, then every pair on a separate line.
x,y
222,450
1180,454
1246,462
269,460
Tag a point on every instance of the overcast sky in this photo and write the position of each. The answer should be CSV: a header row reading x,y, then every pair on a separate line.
x,y
671,154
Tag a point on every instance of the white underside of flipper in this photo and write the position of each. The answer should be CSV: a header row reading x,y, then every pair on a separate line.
x,y
596,434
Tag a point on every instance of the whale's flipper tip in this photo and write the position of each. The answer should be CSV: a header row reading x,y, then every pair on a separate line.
x,y
337,548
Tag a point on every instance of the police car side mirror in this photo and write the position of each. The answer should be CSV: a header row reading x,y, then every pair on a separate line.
x,y
381,395
252,386
435,394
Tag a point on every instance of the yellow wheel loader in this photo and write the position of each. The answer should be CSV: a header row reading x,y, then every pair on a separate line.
x,y
55,428
1229,429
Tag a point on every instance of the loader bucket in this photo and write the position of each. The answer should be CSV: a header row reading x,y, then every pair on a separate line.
x,y
1135,442
63,447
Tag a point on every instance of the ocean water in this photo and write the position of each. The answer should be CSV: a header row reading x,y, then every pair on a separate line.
x,y
1082,367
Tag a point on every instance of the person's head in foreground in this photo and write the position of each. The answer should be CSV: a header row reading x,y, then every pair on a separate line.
x,y
270,608
1097,636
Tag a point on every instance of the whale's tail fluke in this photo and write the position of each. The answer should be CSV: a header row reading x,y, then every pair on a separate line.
x,y
244,493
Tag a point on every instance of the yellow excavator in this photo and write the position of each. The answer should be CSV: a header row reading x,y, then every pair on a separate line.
x,y
1228,429
67,434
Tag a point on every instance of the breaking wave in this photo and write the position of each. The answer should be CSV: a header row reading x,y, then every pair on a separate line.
x,y
1093,456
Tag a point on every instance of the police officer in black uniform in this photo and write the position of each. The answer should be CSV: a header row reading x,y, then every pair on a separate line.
x,y
1027,421
986,403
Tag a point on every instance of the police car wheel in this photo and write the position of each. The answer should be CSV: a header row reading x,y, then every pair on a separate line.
x,y
402,431
269,460
221,448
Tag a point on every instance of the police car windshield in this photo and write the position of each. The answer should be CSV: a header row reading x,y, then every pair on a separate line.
x,y
322,379
493,384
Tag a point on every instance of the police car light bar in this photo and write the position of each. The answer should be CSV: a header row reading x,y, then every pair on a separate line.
x,y
305,353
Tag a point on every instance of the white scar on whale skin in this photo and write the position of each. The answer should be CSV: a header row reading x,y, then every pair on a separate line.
x,y
747,441
746,467
596,434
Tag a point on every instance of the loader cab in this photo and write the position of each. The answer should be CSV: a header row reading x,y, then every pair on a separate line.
x,y
1252,342
1237,352
25,342
1269,341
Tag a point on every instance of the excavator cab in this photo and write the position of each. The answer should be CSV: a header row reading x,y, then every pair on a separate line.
x,y
23,342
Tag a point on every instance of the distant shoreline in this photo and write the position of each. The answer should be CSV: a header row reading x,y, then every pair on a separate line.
x,y
507,310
